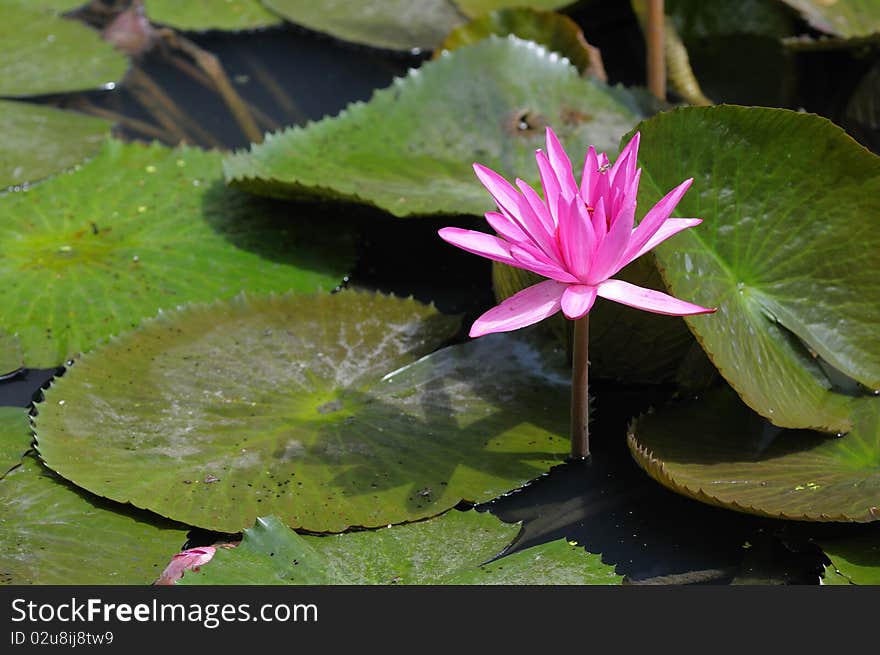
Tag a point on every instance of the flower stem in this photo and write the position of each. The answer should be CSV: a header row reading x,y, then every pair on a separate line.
x,y
655,39
580,404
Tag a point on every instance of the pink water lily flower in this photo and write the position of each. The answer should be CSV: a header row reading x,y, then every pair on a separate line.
x,y
577,235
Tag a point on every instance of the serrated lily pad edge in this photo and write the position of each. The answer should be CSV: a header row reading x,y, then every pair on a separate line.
x,y
657,469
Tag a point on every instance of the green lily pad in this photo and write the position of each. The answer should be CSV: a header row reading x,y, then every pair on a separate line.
x,y
409,149
788,251
556,32
91,253
451,549
42,140
57,6
15,437
43,53
716,450
389,24
55,534
204,15
475,8
854,559
393,24
699,19
844,18
11,357
307,407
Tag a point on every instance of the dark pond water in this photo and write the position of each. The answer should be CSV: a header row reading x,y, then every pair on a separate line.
x,y
609,505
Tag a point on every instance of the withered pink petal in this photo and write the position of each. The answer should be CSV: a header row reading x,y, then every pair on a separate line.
x,y
532,304
187,560
577,300
648,299
670,227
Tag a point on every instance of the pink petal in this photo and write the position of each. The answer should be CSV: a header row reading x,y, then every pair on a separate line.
x,y
615,243
577,299
504,194
588,176
531,261
549,184
670,227
187,560
599,220
626,162
659,213
561,165
506,229
479,243
536,204
516,209
648,299
576,238
529,306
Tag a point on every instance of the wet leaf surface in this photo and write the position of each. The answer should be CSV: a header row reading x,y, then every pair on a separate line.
x,y
455,548
44,520
204,15
91,253
845,18
716,450
43,53
777,230
11,357
39,141
312,408
855,558
15,437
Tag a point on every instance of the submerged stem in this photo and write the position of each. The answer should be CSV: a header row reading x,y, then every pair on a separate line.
x,y
580,404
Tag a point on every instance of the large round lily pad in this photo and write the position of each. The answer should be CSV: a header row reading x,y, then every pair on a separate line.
x,y
718,451
393,24
15,437
855,559
204,15
42,53
40,140
90,254
788,251
56,534
844,18
409,149
308,407
451,549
